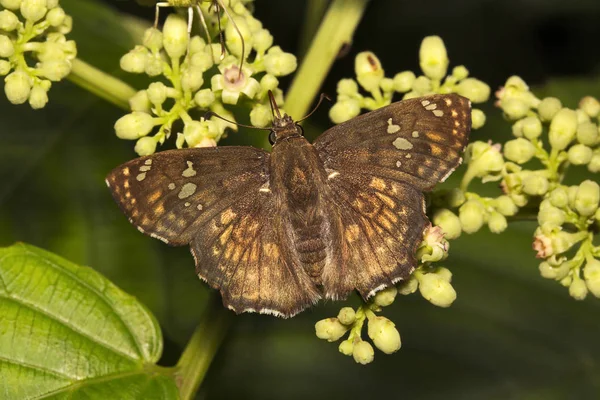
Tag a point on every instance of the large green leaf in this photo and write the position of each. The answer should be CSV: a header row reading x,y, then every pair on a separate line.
x,y
68,332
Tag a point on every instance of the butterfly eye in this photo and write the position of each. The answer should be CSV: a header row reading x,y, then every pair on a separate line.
x,y
300,129
272,138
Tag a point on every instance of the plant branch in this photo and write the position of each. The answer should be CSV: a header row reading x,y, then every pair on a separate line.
x,y
101,84
335,31
202,347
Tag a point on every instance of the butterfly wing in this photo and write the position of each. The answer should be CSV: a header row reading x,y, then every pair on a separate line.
x,y
215,200
378,165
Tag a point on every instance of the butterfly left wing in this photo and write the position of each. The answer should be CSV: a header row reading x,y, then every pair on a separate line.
x,y
378,166
218,201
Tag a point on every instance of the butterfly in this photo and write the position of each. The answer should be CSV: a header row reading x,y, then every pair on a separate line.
x,y
276,232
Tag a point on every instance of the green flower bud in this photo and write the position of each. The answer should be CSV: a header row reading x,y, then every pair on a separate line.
x,y
594,164
516,82
411,95
368,70
135,60
279,63
33,10
5,67
8,21
477,118
473,89
455,197
587,198
559,197
140,102
11,4
566,281
590,105
204,98
578,290
55,70
408,286
192,80
587,133
433,57
17,87
344,110
153,66
579,154
505,205
421,85
550,215
531,127
460,72
262,40
497,222
175,36
153,39
233,39
347,316
363,353
145,146
387,85
157,93
436,290
261,116
38,98
548,108
591,273
7,47
385,297
563,129
201,61
582,117
519,150
514,108
562,241
134,125
449,223
549,271
56,16
195,131
403,81
52,3
67,25
471,215
346,347
535,185
269,82
330,329
384,334
484,158
444,273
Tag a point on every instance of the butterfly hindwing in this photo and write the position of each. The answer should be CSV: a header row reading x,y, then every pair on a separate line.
x,y
378,165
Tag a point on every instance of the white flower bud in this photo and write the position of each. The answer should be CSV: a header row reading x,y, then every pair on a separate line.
x,y
519,150
497,222
433,57
140,102
591,273
5,67
344,110
17,87
54,70
38,98
8,21
157,93
175,36
505,206
548,108
578,289
153,39
134,125
408,286
587,133
436,290
449,222
279,63
33,10
330,329
579,154
384,334
204,98
346,347
56,16
474,89
563,129
386,296
261,116
7,47
590,105
347,316
477,118
363,352
368,70
587,198
531,127
262,40
403,81
135,60
471,215
145,146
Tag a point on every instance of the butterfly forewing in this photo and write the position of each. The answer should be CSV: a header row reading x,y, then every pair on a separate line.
x,y
417,141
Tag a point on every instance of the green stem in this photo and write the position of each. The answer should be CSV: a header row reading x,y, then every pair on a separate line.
x,y
315,9
101,84
202,347
335,31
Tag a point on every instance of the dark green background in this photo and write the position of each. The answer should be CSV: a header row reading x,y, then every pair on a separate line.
x,y
510,334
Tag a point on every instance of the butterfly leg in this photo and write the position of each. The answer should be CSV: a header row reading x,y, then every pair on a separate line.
x,y
159,5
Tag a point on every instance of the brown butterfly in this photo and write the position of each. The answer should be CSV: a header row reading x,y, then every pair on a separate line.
x,y
275,232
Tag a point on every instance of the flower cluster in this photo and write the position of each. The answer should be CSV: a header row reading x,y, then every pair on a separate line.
x,y
433,284
33,32
434,64
198,78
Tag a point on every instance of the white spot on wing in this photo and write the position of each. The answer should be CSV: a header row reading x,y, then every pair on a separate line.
x,y
438,113
187,190
402,144
391,127
431,107
425,103
415,134
189,171
265,188
333,175
141,176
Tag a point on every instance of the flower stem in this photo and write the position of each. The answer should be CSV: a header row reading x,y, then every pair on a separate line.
x,y
335,31
202,347
101,84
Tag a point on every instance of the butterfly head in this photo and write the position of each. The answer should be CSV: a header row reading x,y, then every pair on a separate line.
x,y
284,128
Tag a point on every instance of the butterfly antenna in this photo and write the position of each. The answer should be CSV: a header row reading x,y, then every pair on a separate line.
x,y
232,21
321,98
205,27
213,114
274,108
217,7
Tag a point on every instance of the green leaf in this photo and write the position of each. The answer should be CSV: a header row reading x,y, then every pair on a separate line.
x,y
68,332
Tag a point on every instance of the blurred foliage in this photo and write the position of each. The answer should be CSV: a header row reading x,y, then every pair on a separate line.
x,y
510,333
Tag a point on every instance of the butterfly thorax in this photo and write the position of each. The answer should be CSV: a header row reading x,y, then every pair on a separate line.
x,y
297,181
